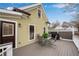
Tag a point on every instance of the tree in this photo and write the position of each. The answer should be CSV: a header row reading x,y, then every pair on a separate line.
x,y
55,24
75,23
73,7
65,25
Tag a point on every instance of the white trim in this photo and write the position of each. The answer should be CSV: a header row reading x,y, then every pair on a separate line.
x,y
15,29
30,6
10,12
67,39
29,34
44,13
76,41
8,20
8,50
34,5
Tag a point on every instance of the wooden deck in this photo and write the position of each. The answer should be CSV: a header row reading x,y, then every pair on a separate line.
x,y
62,48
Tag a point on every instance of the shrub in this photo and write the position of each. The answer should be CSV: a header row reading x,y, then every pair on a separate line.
x,y
45,35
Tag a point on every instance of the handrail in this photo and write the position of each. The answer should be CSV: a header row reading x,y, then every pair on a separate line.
x,y
7,47
5,44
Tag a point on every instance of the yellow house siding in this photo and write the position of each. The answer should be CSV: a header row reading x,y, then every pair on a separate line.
x,y
39,24
23,31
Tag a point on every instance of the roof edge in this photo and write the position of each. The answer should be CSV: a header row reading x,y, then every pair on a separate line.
x,y
30,6
10,12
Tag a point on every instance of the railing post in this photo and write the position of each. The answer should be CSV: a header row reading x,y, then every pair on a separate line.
x,y
9,52
73,33
3,53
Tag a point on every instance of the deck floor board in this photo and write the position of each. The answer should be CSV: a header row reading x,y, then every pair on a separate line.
x,y
62,48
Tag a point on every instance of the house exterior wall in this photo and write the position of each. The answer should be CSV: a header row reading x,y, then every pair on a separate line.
x,y
23,30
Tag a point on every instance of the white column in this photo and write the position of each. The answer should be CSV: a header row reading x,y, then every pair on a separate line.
x,y
9,52
72,33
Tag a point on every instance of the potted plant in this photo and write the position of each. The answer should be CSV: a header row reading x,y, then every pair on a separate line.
x,y
43,40
45,35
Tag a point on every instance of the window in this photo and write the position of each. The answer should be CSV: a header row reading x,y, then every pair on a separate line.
x,y
39,13
44,29
8,29
31,32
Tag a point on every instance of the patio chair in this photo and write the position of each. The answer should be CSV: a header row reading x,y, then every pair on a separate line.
x,y
44,42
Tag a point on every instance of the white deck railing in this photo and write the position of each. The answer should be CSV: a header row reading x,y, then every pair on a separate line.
x,y
6,49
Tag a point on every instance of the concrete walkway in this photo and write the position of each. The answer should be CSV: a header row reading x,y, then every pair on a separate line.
x,y
62,48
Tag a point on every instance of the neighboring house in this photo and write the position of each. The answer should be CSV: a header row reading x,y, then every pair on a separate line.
x,y
65,30
22,25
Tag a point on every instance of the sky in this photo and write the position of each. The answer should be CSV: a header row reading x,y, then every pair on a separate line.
x,y
54,11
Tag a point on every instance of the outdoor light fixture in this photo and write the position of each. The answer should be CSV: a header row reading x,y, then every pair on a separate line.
x,y
47,22
19,25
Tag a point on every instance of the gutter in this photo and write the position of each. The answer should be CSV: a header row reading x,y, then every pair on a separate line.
x,y
10,12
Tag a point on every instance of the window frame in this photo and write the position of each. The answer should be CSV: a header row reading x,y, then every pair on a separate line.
x,y
12,33
29,32
39,13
